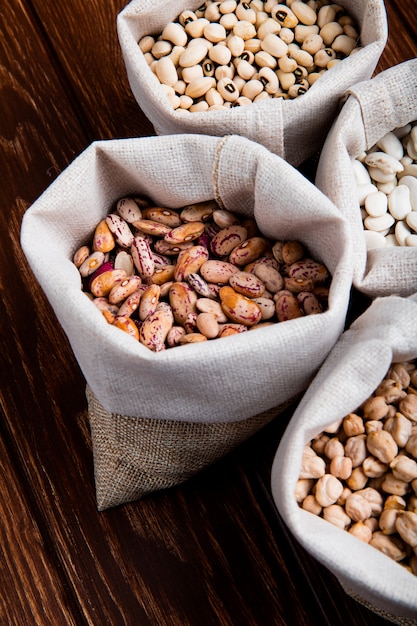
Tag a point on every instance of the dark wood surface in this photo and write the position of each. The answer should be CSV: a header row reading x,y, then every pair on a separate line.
x,y
210,552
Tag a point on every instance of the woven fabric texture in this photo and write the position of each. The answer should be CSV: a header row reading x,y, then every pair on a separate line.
x,y
134,456
294,129
386,332
372,109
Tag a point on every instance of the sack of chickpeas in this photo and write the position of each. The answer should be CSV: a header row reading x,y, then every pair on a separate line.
x,y
344,477
201,282
250,68
368,168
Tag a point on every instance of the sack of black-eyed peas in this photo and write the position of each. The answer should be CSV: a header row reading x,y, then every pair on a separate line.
x,y
368,168
250,69
201,282
344,477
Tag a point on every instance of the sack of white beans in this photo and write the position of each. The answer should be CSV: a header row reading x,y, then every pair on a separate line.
x,y
368,168
260,54
336,476
159,415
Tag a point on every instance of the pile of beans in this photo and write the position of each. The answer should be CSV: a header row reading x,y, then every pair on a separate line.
x,y
170,277
386,177
232,53
360,474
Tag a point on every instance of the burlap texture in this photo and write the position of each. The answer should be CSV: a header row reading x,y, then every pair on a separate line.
x,y
294,129
134,456
372,109
386,332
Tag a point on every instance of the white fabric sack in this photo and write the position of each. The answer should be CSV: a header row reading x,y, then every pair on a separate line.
x,y
372,109
228,379
386,332
294,129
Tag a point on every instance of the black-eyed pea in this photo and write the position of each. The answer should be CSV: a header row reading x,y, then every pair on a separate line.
x,y
238,308
124,289
189,75
299,89
344,44
269,80
228,89
175,33
265,59
213,98
284,16
228,21
195,28
286,79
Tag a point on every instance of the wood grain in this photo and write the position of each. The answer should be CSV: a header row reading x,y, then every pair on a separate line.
x,y
210,552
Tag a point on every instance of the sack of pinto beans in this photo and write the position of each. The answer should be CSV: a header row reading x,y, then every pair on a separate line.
x,y
368,168
250,69
170,395
344,477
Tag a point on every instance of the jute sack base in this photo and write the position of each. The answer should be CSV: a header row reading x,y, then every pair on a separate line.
x,y
372,109
385,333
134,456
294,129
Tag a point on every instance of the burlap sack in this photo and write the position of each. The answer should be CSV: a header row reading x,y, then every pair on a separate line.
x,y
210,391
372,109
294,129
386,332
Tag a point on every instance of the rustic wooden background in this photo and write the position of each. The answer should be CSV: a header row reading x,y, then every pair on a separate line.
x,y
211,552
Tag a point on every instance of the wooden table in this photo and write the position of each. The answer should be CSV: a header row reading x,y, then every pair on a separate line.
x,y
211,552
